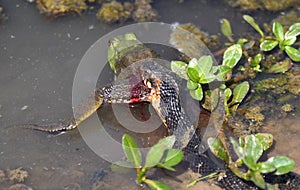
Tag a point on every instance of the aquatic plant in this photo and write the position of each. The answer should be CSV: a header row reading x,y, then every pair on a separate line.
x,y
201,71
161,155
113,12
55,8
249,149
284,40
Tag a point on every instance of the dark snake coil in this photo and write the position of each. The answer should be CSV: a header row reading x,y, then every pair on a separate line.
x,y
149,81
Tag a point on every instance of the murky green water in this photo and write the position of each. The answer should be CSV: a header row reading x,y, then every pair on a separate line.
x,y
38,60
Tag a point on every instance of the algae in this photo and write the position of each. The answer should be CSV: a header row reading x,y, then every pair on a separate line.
x,y
270,5
55,8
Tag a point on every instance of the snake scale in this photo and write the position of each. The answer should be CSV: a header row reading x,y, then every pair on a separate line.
x,y
151,82
158,87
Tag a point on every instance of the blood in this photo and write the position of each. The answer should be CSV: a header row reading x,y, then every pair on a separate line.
x,y
138,90
138,93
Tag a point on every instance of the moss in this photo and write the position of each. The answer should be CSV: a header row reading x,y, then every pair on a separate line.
x,y
2,176
54,8
112,12
288,82
270,5
17,175
144,12
289,18
287,108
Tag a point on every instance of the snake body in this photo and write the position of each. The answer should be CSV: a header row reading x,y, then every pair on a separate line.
x,y
151,82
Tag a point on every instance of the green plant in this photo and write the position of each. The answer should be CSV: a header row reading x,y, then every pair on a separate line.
x,y
284,40
249,149
160,155
233,99
226,29
202,71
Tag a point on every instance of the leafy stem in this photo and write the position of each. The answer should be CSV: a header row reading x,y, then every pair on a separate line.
x,y
160,155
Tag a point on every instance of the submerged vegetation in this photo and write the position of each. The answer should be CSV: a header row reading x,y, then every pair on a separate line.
x,y
110,11
271,5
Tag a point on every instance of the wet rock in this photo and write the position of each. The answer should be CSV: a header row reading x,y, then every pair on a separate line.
x,y
191,41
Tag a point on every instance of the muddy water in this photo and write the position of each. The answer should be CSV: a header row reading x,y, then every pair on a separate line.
x,y
38,60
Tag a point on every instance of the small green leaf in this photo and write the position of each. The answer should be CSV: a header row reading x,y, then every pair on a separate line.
x,y
268,45
278,31
111,55
239,93
205,63
253,149
179,68
256,60
252,22
237,148
232,55
157,185
281,67
266,167
193,70
258,179
226,28
249,45
242,41
293,53
223,72
197,94
265,139
172,157
223,86
293,31
214,69
157,151
282,164
207,78
154,155
193,74
167,142
132,151
227,93
290,41
217,148
191,85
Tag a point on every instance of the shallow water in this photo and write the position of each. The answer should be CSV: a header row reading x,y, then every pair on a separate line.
x,y
38,60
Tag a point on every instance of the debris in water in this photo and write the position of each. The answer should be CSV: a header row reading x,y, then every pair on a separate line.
x,y
24,108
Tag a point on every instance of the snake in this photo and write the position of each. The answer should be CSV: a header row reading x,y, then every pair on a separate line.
x,y
149,81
